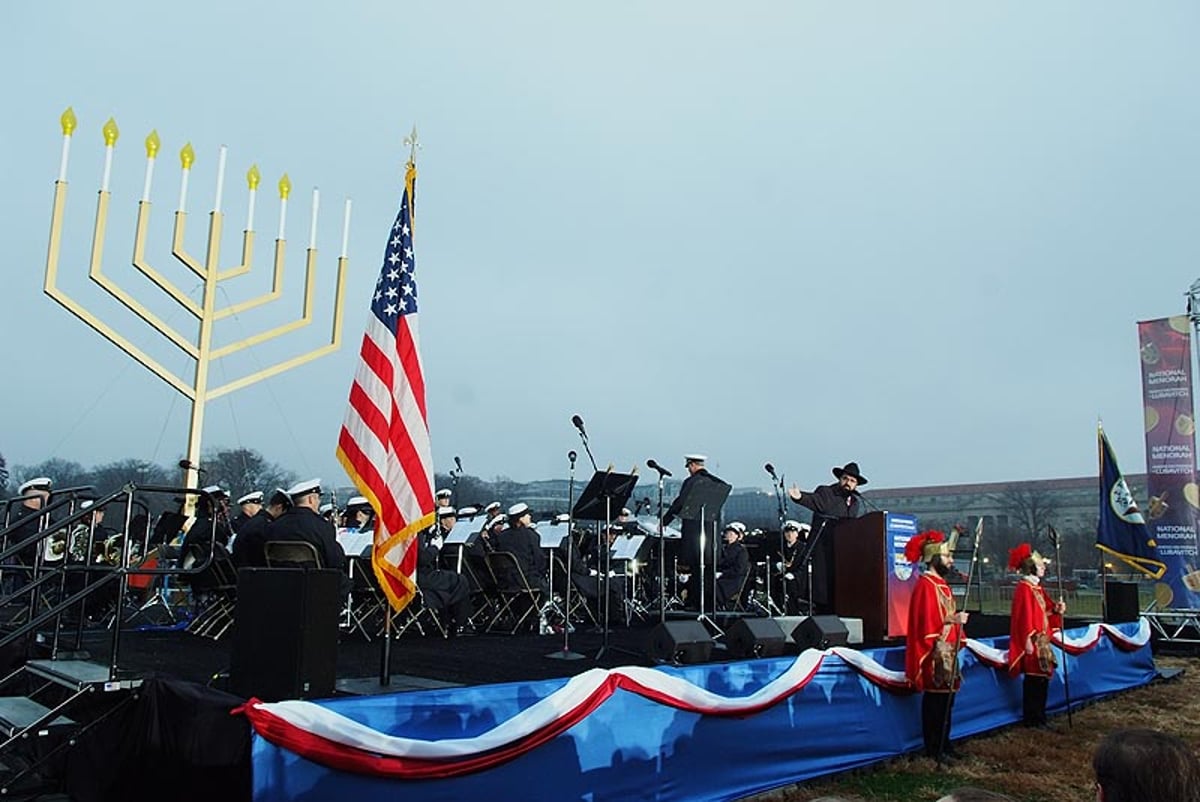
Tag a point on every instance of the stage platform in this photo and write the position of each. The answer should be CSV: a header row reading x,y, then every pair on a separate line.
x,y
491,715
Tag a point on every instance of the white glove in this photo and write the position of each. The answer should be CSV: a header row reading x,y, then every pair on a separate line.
x,y
789,575
593,572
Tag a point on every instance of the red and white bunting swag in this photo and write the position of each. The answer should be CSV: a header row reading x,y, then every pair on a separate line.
x,y
328,738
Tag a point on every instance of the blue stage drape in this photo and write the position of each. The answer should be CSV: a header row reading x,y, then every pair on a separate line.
x,y
634,748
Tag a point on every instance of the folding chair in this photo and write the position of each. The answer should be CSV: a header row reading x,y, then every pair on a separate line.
x,y
513,587
367,605
578,600
738,602
412,615
214,590
485,596
292,554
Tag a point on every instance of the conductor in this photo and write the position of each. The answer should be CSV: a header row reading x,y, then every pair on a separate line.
x,y
829,504
691,530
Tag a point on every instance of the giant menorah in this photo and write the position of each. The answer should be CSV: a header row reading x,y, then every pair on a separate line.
x,y
199,347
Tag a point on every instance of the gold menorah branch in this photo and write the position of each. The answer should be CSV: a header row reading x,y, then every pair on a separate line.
x,y
199,346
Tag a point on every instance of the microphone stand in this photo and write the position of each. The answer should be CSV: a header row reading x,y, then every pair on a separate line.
x,y
566,653
1062,632
781,511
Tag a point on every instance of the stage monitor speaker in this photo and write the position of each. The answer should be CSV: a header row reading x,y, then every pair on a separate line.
x,y
755,637
820,632
285,635
680,642
1120,602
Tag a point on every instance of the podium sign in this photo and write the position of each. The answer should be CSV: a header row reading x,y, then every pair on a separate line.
x,y
872,579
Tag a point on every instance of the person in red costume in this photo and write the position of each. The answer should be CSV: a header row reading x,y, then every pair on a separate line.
x,y
1035,617
931,646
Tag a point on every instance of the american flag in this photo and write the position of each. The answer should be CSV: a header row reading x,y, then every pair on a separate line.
x,y
384,442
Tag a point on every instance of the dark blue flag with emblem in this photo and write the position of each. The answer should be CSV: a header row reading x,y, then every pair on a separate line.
x,y
1122,532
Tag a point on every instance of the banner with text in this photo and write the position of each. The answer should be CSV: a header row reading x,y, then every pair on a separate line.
x,y
1174,497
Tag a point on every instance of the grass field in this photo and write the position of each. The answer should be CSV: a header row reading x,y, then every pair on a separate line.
x,y
1028,765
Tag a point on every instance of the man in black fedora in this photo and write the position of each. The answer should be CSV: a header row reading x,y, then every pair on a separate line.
x,y
829,504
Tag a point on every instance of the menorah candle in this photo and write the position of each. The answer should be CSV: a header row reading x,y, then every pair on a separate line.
x,y
312,226
285,189
252,179
345,228
187,157
68,122
110,142
152,145
220,179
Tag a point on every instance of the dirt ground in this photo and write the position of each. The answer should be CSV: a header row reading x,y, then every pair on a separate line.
x,y
1027,765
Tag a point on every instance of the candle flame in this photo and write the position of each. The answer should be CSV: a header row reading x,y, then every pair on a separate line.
x,y
187,156
253,176
111,132
153,143
285,187
68,121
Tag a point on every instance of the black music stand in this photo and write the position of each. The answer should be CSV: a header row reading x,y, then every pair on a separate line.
x,y
703,503
605,492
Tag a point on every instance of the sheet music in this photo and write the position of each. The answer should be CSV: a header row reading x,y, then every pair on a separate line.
x,y
626,548
551,534
649,525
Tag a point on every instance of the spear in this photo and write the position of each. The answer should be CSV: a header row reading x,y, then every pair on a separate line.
x,y
1056,541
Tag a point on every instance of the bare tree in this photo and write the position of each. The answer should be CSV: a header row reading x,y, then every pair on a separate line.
x,y
1031,510
242,470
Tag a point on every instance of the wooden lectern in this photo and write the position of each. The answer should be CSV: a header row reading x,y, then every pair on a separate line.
x,y
862,563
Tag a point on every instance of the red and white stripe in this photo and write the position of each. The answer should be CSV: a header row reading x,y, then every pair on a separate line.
x,y
326,737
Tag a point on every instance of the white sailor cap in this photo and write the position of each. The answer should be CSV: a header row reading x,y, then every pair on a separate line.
x,y
495,505
446,512
496,520
443,493
562,518
38,483
697,458
251,498
357,501
83,505
280,498
324,508
518,509
736,526
216,491
795,526
626,511
304,488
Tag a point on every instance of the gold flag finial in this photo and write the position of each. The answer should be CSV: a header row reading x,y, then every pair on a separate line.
x,y
253,176
111,132
187,156
68,121
153,143
285,187
413,143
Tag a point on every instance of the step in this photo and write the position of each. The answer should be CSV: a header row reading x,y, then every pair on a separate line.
x,y
18,712
80,674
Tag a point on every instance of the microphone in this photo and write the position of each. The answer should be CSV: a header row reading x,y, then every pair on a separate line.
x,y
188,466
458,462
654,466
771,470
571,455
578,421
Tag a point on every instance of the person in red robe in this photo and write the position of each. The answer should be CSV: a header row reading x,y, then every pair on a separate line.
x,y
1035,617
935,630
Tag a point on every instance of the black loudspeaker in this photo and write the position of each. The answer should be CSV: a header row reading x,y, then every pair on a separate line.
x,y
680,642
285,634
820,632
1120,602
755,637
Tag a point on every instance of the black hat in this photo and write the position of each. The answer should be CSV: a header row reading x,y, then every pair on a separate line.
x,y
850,469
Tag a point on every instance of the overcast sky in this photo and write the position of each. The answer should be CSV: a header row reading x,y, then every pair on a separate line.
x,y
915,235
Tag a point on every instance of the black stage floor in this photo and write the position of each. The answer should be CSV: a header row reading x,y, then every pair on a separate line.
x,y
417,661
